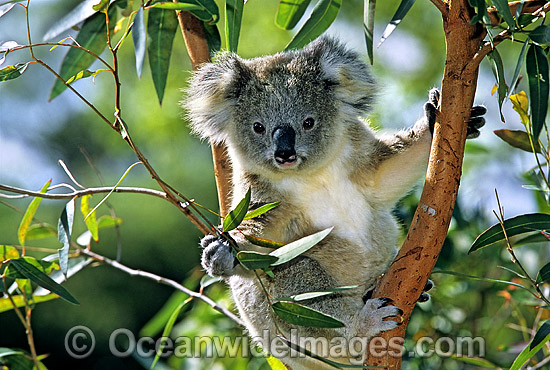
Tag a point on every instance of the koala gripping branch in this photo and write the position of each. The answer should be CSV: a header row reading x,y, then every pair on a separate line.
x,y
409,272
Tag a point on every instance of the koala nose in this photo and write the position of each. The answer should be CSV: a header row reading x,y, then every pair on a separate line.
x,y
284,138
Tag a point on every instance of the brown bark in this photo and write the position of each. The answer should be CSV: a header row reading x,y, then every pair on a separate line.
x,y
199,53
409,272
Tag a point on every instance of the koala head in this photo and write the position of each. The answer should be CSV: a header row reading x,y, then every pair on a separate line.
x,y
281,113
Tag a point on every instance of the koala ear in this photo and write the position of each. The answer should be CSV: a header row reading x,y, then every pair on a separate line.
x,y
345,73
212,93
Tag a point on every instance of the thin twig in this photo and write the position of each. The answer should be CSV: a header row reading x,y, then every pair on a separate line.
x,y
165,281
66,169
486,49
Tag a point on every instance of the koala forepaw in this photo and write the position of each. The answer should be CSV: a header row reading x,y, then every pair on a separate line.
x,y
476,121
373,314
217,256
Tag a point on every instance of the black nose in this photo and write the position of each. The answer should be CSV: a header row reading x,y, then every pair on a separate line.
x,y
284,138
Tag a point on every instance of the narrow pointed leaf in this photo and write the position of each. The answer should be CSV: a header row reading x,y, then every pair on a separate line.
x,y
7,252
208,11
321,18
182,6
517,139
213,38
520,103
498,71
6,304
91,220
29,214
400,13
255,260
481,12
108,221
64,229
536,344
275,363
13,71
261,210
514,226
543,275
504,10
368,26
267,243
101,6
40,278
93,37
298,247
162,25
40,231
233,18
540,35
289,13
482,279
310,295
80,13
139,37
236,215
5,8
85,74
537,73
521,58
298,314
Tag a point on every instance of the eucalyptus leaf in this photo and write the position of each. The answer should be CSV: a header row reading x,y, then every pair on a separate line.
x,y
139,38
537,73
543,275
255,260
517,139
237,215
535,345
400,13
540,35
213,38
289,13
233,18
64,230
298,314
498,71
80,13
29,214
12,72
368,26
504,10
261,210
296,248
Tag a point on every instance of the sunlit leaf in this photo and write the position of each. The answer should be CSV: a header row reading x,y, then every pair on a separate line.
x,y
13,71
504,10
139,38
208,280
7,252
498,71
108,221
233,17
236,215
263,242
514,226
517,139
540,35
85,74
520,103
400,13
64,229
255,260
541,337
40,278
275,363
80,13
6,304
537,73
162,25
261,210
321,18
298,314
310,295
29,214
289,13
91,220
296,248
93,37
101,5
183,6
40,231
368,26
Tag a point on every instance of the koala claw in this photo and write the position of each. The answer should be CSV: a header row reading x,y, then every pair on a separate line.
x,y
475,122
425,297
373,314
217,256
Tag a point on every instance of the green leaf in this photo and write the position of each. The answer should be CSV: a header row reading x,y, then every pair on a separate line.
x,y
541,337
139,37
6,305
298,314
162,25
208,11
482,279
182,6
540,35
481,12
85,74
321,18
79,14
544,274
266,243
275,363
40,231
108,221
12,72
102,6
298,247
504,10
539,237
255,260
168,329
236,215
477,361
400,13
520,103
518,66
233,18
213,38
93,37
517,139
537,74
310,295
261,210
208,280
91,220
40,278
29,214
498,71
289,13
64,229
368,27
514,226
7,252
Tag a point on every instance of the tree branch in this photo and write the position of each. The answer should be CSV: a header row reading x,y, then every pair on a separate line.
x,y
442,6
163,280
529,6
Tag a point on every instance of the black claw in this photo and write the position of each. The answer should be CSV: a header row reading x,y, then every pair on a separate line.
x,y
386,302
424,297
429,285
476,122
400,311
368,295
478,110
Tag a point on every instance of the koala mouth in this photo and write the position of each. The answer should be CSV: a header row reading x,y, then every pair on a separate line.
x,y
286,161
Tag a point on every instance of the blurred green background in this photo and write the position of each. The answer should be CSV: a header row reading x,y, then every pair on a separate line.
x,y
35,134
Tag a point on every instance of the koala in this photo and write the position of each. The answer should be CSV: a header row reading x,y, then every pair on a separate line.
x,y
291,124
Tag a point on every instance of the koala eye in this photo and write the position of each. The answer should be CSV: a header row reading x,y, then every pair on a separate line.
x,y
308,123
259,128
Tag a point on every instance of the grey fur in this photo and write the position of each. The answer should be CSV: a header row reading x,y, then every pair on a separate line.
x,y
344,176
